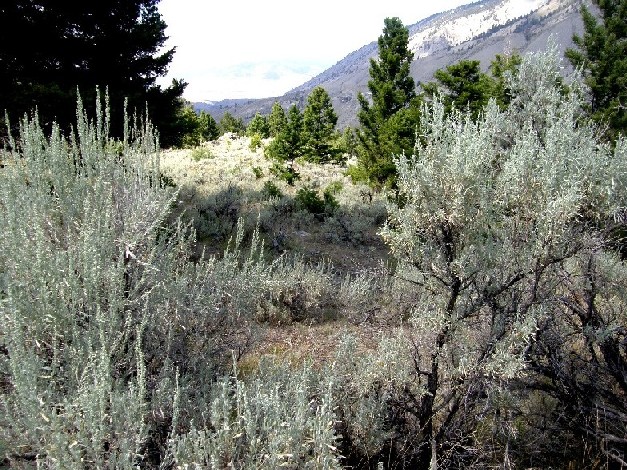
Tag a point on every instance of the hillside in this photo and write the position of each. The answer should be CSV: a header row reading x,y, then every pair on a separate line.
x,y
188,309
477,31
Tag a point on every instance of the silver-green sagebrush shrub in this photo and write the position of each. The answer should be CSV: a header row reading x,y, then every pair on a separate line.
x,y
78,226
278,417
495,214
102,311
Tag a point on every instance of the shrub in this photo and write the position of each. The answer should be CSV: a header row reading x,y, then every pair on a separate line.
x,y
330,202
258,172
255,142
334,188
201,153
108,328
270,190
285,173
500,217
309,200
278,417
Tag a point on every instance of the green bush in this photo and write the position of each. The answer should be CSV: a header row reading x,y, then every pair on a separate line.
x,y
258,172
255,142
285,173
334,188
308,199
271,190
330,202
201,153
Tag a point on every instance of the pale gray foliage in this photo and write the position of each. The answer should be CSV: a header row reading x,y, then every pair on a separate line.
x,y
280,417
492,212
113,339
77,220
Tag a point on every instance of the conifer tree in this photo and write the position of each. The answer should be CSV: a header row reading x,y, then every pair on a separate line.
x,y
388,119
501,69
277,119
602,53
258,125
230,123
319,120
208,126
460,86
49,50
288,146
464,86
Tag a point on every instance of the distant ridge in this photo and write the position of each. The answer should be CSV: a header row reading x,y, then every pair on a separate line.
x,y
476,31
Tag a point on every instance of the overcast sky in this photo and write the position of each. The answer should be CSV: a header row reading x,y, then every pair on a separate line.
x,y
260,49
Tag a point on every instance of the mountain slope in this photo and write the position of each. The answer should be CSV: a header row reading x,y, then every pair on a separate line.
x,y
477,31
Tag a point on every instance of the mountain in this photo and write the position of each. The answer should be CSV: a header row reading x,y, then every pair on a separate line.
x,y
476,31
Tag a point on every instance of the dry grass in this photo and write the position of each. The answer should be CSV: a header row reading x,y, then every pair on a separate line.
x,y
221,178
222,186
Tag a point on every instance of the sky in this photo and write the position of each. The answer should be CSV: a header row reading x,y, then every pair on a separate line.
x,y
260,49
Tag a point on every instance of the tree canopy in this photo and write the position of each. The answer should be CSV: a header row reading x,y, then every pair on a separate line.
x,y
464,85
319,120
387,120
602,53
50,50
277,119
229,123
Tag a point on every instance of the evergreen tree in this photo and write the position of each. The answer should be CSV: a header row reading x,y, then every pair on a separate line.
x,y
277,119
208,126
229,123
51,49
387,121
461,86
602,53
258,125
348,142
319,120
500,68
194,128
190,127
288,146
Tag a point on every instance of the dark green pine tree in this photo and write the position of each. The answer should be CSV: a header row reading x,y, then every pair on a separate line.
x,y
501,66
208,126
602,54
258,125
49,49
229,123
288,146
277,119
388,119
319,121
462,86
